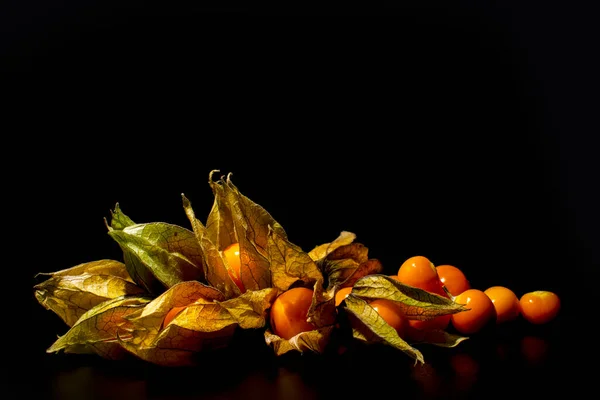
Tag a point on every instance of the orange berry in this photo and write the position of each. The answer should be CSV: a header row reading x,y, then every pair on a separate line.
x,y
480,311
289,312
539,307
419,272
341,295
453,278
232,255
391,313
505,302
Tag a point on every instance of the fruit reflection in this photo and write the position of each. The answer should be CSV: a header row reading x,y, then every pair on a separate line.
x,y
534,349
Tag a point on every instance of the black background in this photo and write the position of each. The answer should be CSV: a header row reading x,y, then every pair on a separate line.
x,y
459,131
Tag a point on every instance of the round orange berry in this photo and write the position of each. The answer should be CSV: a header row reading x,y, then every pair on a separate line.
x,y
539,307
341,294
453,279
505,302
480,311
391,313
290,311
419,272
232,255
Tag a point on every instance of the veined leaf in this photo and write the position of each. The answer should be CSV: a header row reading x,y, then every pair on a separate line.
x,y
289,263
119,221
249,310
216,267
347,263
170,252
219,225
100,267
251,223
368,326
345,272
254,216
140,274
180,295
100,329
322,311
415,303
314,341
175,346
354,251
73,291
436,337
321,251
202,324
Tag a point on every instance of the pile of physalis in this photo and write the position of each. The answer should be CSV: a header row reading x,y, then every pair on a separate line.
x,y
179,292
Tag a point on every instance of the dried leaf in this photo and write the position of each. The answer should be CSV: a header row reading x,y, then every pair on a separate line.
x,y
321,251
202,324
437,337
415,303
251,223
369,326
314,341
345,272
101,329
119,220
369,267
249,310
73,291
175,346
180,295
216,266
159,250
138,272
101,267
255,218
354,251
322,311
347,263
289,263
219,225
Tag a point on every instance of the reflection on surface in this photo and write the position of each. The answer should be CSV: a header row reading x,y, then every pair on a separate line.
x,y
96,385
427,378
466,370
534,349
253,372
290,385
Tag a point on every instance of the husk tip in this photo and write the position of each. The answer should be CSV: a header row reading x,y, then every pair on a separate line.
x,y
211,173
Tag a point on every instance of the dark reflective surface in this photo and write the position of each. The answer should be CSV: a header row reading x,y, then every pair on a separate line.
x,y
514,360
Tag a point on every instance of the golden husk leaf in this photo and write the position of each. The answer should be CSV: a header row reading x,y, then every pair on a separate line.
x,y
415,303
252,224
157,255
369,326
437,337
101,329
289,264
312,341
206,321
72,292
219,224
215,264
321,251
